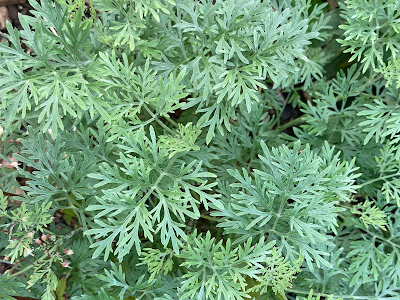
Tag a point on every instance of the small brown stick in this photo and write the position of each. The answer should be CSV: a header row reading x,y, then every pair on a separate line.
x,y
278,91
307,96
332,4
52,29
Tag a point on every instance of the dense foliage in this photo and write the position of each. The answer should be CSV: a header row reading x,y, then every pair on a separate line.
x,y
176,149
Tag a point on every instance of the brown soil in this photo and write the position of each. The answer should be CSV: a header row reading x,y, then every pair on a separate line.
x,y
9,10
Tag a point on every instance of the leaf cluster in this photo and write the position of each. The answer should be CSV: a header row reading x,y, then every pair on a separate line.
x,y
208,150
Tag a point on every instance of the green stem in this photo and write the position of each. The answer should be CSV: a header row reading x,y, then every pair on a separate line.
x,y
5,262
278,216
171,121
377,97
30,266
394,245
150,191
158,120
209,218
279,113
252,152
22,271
291,123
377,179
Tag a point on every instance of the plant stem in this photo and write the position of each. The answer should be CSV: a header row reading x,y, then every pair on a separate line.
x,y
32,265
23,270
394,245
284,102
373,96
171,121
291,123
377,179
278,216
209,218
158,120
